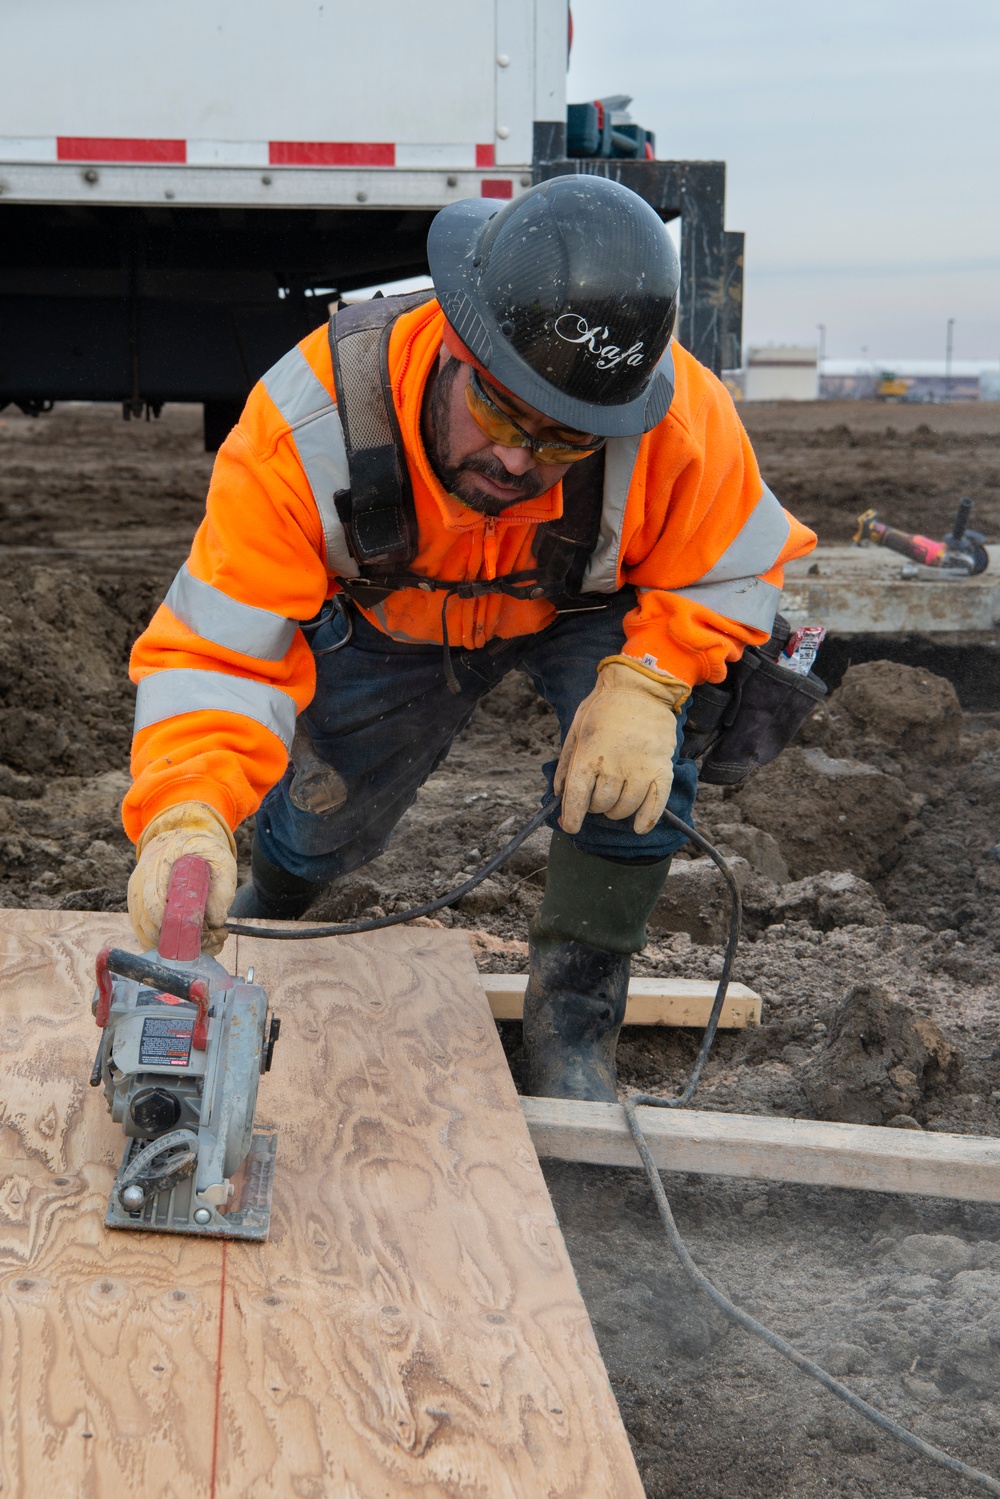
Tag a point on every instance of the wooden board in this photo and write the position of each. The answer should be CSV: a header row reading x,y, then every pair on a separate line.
x,y
652,1001
860,1156
413,1326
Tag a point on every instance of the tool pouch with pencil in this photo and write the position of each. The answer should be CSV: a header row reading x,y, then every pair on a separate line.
x,y
736,726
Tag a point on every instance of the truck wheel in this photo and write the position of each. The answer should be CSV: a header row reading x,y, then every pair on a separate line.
x,y
220,418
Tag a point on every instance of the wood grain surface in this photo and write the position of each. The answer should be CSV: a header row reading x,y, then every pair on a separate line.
x,y
413,1325
108,1342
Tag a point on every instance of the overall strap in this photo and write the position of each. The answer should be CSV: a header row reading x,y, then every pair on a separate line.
x,y
563,547
377,511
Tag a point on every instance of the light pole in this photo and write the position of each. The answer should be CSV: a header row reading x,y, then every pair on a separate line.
x,y
820,357
949,339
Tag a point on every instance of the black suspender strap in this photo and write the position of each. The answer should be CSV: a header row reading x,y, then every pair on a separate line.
x,y
377,511
563,547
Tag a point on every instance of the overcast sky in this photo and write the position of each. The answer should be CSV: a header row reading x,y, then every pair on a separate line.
x,y
862,142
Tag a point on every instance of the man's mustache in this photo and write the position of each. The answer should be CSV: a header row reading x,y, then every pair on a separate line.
x,y
528,486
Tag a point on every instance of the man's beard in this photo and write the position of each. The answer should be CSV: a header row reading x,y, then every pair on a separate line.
x,y
457,477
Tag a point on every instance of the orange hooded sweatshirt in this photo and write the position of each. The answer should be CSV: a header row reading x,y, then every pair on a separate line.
x,y
259,563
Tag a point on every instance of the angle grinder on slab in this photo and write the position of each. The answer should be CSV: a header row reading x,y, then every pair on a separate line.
x,y
183,1046
961,554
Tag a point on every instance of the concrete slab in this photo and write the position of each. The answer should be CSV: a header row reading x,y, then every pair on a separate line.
x,y
860,590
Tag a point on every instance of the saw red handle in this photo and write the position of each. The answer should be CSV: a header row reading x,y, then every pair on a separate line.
x,y
103,1012
184,913
185,986
180,939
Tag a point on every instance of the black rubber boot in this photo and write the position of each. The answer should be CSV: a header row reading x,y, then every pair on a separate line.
x,y
592,918
574,1006
273,892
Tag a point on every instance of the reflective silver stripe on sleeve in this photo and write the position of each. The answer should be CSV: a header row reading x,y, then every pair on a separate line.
x,y
305,404
601,575
168,693
215,616
749,601
756,546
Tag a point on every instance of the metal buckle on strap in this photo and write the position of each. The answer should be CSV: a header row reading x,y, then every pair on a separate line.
x,y
571,606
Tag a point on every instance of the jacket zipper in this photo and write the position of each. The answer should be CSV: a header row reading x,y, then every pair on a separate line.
x,y
491,551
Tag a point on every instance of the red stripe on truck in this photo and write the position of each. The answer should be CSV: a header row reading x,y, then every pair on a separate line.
x,y
106,148
496,187
331,154
486,156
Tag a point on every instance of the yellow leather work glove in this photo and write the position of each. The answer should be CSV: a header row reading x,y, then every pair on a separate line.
x,y
188,828
618,754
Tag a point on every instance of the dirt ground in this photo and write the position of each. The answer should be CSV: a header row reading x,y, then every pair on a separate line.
x,y
829,460
868,857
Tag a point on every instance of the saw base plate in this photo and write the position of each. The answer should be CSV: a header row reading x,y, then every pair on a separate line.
x,y
170,1212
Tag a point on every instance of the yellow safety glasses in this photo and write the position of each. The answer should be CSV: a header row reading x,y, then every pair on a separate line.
x,y
501,427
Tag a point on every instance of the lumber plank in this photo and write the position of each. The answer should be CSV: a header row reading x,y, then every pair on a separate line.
x,y
413,1326
651,1001
863,1157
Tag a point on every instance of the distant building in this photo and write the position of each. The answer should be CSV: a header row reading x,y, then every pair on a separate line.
x,y
781,372
859,385
917,380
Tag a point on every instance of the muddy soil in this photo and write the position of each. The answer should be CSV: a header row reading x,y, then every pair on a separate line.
x,y
829,460
868,861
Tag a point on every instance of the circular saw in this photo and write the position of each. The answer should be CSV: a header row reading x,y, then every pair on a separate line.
x,y
183,1046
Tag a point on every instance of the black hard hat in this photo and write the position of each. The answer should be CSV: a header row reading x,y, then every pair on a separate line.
x,y
567,296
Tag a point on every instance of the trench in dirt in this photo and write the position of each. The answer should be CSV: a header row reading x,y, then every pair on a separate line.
x,y
870,882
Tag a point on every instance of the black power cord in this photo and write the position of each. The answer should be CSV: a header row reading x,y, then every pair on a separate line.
x,y
701,1281
774,1340
293,932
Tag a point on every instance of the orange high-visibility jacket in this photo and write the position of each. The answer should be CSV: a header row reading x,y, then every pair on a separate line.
x,y
223,669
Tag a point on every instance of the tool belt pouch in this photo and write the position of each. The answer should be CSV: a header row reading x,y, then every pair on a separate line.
x,y
745,722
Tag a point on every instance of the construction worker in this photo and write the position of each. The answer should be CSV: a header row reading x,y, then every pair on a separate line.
x,y
523,472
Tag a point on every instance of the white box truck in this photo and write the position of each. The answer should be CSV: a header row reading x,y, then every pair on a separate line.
x,y
183,186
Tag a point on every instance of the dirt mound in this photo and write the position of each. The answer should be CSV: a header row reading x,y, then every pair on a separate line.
x,y
901,708
66,708
62,843
950,874
829,900
827,813
884,711
65,698
878,1061
890,782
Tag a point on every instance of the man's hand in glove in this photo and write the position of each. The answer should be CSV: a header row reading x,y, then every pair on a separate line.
x,y
618,754
188,828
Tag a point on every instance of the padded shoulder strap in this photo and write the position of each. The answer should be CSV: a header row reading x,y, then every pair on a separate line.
x,y
563,547
378,510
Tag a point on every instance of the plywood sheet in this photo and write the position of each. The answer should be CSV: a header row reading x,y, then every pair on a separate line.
x,y
413,1326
